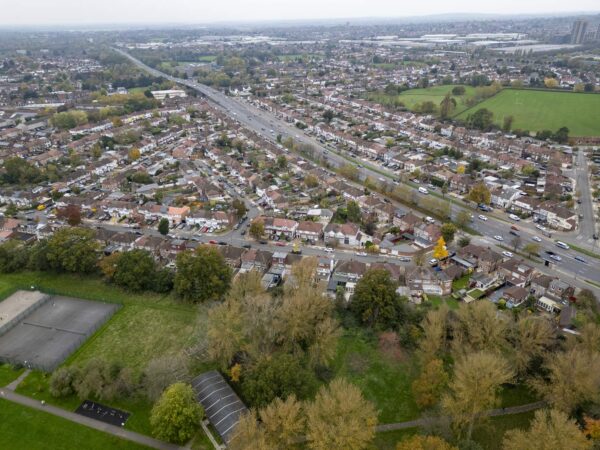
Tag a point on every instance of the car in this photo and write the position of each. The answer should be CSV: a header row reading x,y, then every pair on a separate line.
x,y
556,257
537,238
482,217
514,233
222,243
433,262
361,253
579,202
262,242
562,245
498,238
247,246
514,217
550,252
280,244
328,249
540,227
243,233
507,254
512,227
580,259
595,236
424,191
212,241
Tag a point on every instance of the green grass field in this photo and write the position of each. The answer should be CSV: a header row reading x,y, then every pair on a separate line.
x,y
23,428
535,110
435,94
8,374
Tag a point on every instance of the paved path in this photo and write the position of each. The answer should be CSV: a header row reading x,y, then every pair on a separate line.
x,y
492,413
12,386
86,421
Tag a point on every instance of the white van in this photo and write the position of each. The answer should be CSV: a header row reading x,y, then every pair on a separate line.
x,y
422,190
562,245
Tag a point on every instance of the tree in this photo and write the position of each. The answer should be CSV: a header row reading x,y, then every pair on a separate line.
x,y
134,154
479,327
560,390
202,275
420,442
163,226
311,181
62,381
283,421
135,270
20,171
433,341
14,256
463,218
562,135
550,430
464,241
177,414
532,337
515,242
482,119
507,123
448,230
72,250
480,194
340,417
349,171
225,333
474,387
162,372
458,90
71,213
428,387
281,162
257,229
353,212
447,106
440,252
328,115
279,375
239,208
375,301
11,210
249,434
531,248
550,83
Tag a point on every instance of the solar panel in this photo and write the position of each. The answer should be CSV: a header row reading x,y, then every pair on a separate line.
x,y
221,404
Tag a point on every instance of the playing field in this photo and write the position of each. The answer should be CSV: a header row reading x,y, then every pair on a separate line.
x,y
544,110
435,94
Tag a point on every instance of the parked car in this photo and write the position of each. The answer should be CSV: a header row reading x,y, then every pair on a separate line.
x,y
537,238
361,253
423,190
498,238
507,254
514,217
513,227
433,262
328,249
514,233
482,217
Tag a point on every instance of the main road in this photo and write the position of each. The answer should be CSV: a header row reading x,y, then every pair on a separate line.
x,y
267,125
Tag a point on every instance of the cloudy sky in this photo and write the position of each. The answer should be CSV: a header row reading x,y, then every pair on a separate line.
x,y
24,12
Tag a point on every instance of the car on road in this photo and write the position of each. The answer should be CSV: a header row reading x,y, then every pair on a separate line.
x,y
580,259
537,238
498,238
423,190
328,249
262,242
549,252
433,262
212,241
513,227
222,243
361,253
247,246
595,236
540,227
482,217
514,217
507,254
514,233
280,244
555,257
579,202
562,245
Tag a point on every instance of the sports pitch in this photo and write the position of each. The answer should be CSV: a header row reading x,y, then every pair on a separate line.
x,y
537,110
48,333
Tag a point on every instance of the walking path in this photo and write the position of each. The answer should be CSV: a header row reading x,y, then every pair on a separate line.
x,y
492,413
12,386
9,394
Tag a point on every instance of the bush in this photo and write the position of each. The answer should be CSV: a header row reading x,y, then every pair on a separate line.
x,y
177,414
63,380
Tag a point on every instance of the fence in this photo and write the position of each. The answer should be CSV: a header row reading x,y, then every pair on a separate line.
x,y
65,353
15,320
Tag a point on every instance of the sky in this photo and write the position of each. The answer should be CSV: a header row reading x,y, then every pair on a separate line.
x,y
82,12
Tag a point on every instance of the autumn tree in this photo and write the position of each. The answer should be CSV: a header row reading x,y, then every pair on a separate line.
x,y
283,421
479,326
177,414
162,372
249,434
201,275
480,194
433,341
560,390
340,417
531,248
447,106
549,430
420,442
375,301
474,387
134,154
349,171
257,229
70,213
427,388
531,339
440,252
463,218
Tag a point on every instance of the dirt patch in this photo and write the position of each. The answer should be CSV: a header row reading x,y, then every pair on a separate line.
x,y
389,346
